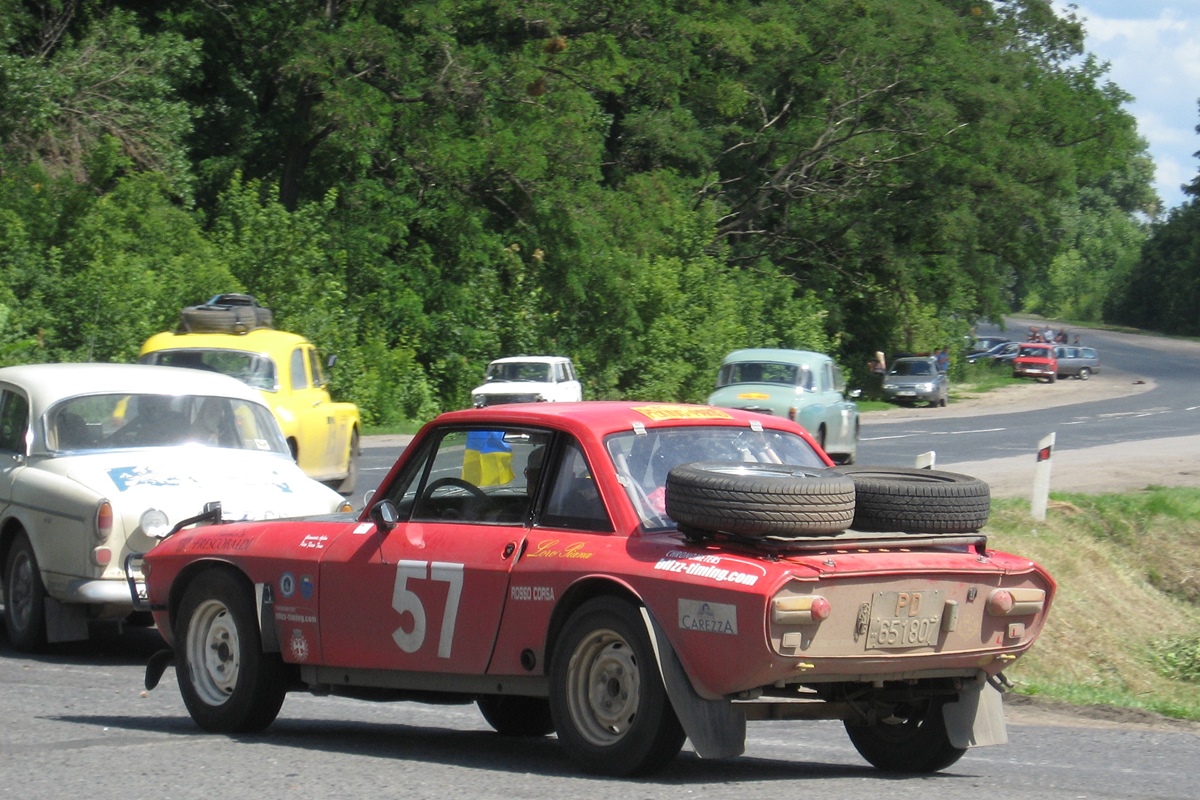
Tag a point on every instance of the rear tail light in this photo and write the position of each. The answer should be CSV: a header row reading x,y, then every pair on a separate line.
x,y
799,610
104,520
1016,602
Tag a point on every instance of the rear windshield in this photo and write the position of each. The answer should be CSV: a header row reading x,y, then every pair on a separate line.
x,y
642,460
764,372
252,369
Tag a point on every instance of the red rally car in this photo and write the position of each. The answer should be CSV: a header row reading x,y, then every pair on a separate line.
x,y
623,575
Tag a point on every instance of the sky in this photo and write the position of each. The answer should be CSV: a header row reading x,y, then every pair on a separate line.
x,y
1153,49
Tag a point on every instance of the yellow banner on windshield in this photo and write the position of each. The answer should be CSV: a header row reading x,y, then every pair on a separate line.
x,y
682,412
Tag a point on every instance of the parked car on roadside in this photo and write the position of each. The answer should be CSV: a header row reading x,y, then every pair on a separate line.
x,y
1003,353
102,459
285,368
799,385
1077,362
627,576
528,379
982,344
1036,360
914,379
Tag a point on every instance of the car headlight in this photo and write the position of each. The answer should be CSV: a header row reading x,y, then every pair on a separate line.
x,y
478,400
889,386
155,523
925,387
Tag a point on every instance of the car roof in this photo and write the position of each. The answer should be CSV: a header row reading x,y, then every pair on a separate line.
x,y
602,417
258,340
46,384
781,355
528,359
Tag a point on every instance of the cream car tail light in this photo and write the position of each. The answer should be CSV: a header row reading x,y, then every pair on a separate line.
x,y
104,520
799,610
1016,602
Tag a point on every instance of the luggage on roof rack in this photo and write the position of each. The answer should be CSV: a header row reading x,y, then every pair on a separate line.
x,y
226,313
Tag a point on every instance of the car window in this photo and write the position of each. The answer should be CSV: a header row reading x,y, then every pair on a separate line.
x,y
764,372
642,460
1087,352
314,367
573,501
299,376
119,421
14,421
839,381
474,475
252,369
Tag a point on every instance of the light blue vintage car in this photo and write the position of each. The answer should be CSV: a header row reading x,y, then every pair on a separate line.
x,y
801,385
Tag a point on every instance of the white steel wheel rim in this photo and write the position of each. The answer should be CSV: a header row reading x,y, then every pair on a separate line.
x,y
20,595
603,688
213,652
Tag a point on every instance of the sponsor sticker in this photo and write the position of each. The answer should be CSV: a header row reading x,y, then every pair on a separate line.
x,y
705,617
287,584
532,593
667,411
307,587
549,548
298,645
709,567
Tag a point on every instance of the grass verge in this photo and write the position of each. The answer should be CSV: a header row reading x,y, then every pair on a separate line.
x,y
1124,629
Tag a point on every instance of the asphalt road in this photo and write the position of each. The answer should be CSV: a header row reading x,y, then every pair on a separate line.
x,y
1167,410
77,723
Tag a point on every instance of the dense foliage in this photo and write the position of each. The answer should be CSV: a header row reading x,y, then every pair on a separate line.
x,y
423,186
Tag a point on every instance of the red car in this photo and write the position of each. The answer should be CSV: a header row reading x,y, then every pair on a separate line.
x,y
625,575
1036,360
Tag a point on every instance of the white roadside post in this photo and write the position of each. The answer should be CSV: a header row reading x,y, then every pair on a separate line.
x,y
926,460
1041,479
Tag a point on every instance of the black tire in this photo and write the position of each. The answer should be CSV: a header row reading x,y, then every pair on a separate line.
x,y
510,715
24,598
917,500
348,483
610,708
1053,378
1084,373
752,499
228,683
916,744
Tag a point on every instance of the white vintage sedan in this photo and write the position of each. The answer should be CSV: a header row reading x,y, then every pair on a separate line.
x,y
100,460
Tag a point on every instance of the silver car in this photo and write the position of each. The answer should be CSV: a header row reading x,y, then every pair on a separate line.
x,y
915,379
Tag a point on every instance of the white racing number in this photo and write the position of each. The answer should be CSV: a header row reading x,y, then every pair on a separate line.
x,y
404,599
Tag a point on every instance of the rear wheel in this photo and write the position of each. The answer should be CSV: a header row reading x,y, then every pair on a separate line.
x,y
228,683
24,598
517,716
610,708
912,739
1084,373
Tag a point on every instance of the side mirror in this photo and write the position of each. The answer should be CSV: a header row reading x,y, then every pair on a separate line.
x,y
856,393
329,362
385,515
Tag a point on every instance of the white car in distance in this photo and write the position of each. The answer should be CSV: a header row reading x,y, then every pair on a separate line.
x,y
101,460
528,379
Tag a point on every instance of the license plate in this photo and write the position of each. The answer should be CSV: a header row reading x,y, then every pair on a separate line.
x,y
905,619
906,394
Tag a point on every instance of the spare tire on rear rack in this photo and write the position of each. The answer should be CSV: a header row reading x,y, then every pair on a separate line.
x,y
755,500
917,500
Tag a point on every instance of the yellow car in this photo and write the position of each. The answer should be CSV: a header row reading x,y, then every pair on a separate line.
x,y
287,370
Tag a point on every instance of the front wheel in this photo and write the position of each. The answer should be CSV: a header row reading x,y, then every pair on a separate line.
x,y
24,598
228,683
913,739
608,701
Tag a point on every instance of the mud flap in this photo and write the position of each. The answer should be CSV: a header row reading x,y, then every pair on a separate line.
x,y
715,727
264,596
977,717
